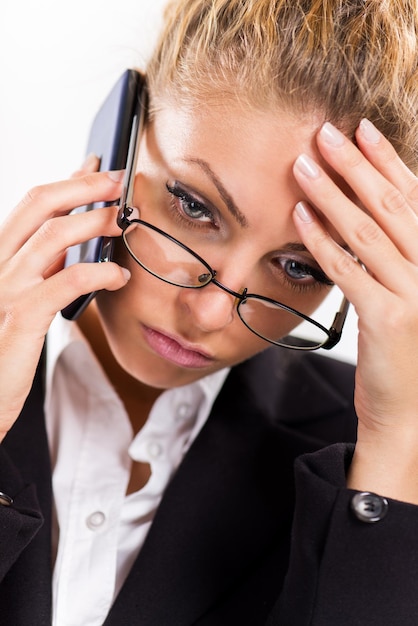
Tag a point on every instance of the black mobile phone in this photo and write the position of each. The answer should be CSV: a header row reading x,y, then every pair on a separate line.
x,y
109,139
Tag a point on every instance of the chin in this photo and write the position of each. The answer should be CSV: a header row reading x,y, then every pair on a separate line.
x,y
155,372
161,380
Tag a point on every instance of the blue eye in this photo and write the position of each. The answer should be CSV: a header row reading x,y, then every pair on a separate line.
x,y
296,270
191,207
303,273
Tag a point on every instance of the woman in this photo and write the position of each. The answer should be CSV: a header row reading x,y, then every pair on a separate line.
x,y
280,148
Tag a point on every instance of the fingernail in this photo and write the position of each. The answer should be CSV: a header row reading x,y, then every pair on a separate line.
x,y
126,273
332,135
91,162
369,131
303,212
117,175
307,166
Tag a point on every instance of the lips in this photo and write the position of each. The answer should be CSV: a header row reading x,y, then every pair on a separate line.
x,y
176,350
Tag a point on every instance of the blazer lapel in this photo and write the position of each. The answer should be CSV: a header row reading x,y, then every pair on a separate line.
x,y
219,515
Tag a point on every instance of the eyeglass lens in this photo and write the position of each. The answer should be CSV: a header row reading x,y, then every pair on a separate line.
x,y
171,262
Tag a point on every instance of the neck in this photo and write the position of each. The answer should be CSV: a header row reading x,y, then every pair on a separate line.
x,y
136,397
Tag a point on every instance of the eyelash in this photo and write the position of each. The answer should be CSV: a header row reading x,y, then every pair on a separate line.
x,y
320,279
184,199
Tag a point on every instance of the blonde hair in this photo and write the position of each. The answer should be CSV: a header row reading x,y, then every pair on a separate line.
x,y
343,59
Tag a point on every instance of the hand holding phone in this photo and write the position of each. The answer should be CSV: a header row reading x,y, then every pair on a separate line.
x,y
33,285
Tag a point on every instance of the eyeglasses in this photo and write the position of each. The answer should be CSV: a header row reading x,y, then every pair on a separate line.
x,y
173,262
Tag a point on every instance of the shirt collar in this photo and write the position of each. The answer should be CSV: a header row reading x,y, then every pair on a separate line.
x,y
61,334
64,334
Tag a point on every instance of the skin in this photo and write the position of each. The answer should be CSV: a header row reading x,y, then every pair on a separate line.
x,y
266,182
206,319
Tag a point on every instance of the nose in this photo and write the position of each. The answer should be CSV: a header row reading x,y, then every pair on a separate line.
x,y
210,308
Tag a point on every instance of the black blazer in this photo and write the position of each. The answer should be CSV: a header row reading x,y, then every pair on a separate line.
x,y
218,549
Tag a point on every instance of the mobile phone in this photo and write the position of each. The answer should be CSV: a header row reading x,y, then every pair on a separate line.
x,y
109,139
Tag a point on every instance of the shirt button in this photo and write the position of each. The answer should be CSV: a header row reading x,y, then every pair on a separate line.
x,y
95,520
183,412
5,500
154,449
369,507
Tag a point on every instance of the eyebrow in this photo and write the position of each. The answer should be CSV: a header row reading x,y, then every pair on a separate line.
x,y
226,197
295,246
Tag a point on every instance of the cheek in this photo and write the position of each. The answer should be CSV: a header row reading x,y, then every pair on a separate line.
x,y
143,293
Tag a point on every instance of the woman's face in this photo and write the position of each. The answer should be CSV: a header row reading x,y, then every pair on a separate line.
x,y
220,180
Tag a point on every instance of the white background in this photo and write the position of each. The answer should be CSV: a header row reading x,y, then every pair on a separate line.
x,y
57,62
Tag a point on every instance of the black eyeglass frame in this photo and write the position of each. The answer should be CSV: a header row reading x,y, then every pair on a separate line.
x,y
124,222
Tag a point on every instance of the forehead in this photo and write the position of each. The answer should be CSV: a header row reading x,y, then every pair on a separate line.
x,y
251,152
221,128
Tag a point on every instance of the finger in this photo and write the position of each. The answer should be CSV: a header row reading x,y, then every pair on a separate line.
x,y
90,165
46,201
387,341
26,316
33,309
82,278
338,264
357,229
383,156
55,267
386,203
57,234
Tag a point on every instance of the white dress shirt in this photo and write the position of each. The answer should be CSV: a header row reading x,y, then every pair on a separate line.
x,y
98,529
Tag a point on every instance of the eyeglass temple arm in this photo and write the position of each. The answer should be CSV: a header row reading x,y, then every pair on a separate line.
x,y
340,317
337,325
131,160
